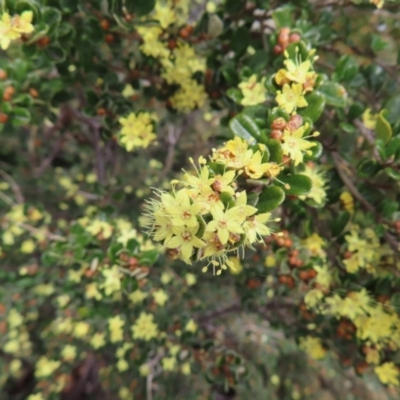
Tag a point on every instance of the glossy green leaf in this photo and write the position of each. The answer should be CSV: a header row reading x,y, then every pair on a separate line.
x,y
296,185
270,198
242,125
368,168
316,105
283,16
240,40
393,147
335,94
383,129
149,257
140,7
393,106
275,150
55,53
339,222
20,116
235,95
346,68
314,152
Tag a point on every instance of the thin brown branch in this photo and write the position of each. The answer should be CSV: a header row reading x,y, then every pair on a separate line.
x,y
14,186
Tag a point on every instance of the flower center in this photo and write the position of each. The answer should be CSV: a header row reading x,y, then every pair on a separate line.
x,y
186,215
187,236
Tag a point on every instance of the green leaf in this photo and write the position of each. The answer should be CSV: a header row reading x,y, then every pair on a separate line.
x,y
393,173
95,34
149,257
227,199
355,110
296,185
240,40
140,7
51,16
383,129
283,16
314,152
393,106
368,168
20,116
275,150
393,147
270,198
395,301
55,53
335,94
380,146
346,68
258,61
339,223
235,95
316,105
377,43
243,126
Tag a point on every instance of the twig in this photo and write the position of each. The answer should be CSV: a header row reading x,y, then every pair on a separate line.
x,y
34,230
149,380
14,186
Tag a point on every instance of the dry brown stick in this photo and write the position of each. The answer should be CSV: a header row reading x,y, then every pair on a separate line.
x,y
14,186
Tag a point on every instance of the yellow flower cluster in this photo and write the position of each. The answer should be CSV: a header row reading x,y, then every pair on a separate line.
x,y
12,28
137,131
296,80
313,347
179,61
366,250
210,217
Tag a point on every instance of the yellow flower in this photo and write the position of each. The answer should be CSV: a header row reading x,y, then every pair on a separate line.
x,y
185,240
145,328
137,131
388,373
191,326
225,223
234,265
137,296
144,370
255,229
98,340
314,244
168,363
160,297
44,289
14,319
36,396
92,292
81,330
253,92
291,97
115,325
184,213
68,352
45,367
270,261
186,368
122,365
125,394
190,279
378,3
317,192
313,347
13,28
298,72
313,297
112,282
255,168
103,227
294,144
28,246
324,277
